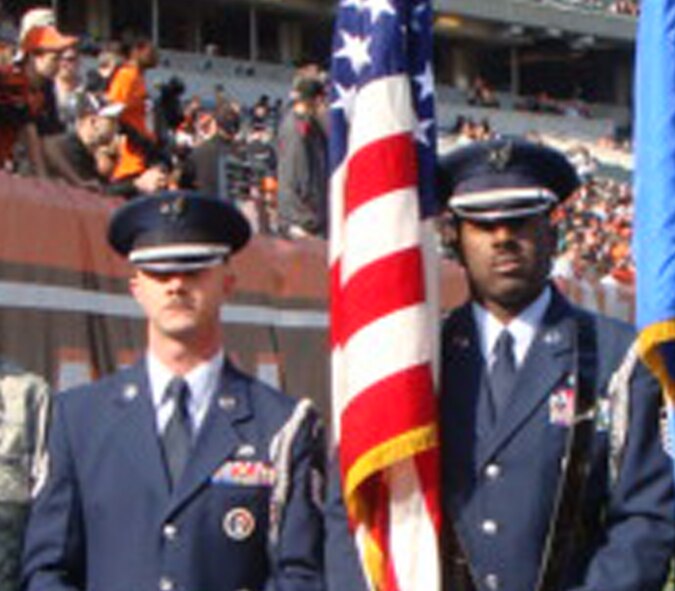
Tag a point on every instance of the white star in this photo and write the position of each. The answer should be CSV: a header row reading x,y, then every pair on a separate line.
x,y
422,131
345,100
377,8
426,82
355,49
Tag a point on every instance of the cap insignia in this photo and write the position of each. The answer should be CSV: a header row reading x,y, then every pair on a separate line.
x,y
174,208
500,156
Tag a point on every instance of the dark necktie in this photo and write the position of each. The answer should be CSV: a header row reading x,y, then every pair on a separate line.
x,y
502,374
177,436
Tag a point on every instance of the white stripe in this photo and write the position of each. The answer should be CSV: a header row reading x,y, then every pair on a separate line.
x,y
67,299
381,109
382,348
411,527
365,235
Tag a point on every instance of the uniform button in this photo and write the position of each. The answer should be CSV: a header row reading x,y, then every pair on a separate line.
x,y
493,471
166,584
169,531
489,527
492,582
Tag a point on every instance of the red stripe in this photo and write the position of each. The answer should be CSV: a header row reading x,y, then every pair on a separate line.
x,y
385,286
392,406
378,168
335,303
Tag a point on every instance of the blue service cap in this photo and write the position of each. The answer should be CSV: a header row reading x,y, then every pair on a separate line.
x,y
503,179
177,231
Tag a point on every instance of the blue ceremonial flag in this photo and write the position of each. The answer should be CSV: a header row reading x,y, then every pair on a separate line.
x,y
654,221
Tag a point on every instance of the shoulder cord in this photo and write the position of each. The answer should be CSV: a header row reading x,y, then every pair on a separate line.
x,y
618,392
280,455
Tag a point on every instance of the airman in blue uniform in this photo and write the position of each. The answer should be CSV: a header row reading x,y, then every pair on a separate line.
x,y
180,473
553,472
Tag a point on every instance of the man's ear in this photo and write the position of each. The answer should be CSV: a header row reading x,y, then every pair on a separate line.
x,y
454,244
229,280
133,284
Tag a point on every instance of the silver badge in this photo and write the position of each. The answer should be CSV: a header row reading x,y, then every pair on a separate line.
x,y
461,341
552,337
239,524
130,392
245,450
226,402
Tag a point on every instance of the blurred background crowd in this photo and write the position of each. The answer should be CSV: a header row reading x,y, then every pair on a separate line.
x,y
89,116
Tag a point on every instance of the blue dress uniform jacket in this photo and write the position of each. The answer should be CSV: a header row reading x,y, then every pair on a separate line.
x,y
500,483
106,519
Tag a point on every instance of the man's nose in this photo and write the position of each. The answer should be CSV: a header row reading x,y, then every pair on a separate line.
x,y
176,281
503,231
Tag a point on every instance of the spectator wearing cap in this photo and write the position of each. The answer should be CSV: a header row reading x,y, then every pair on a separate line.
x,y
72,155
86,156
533,493
32,94
180,472
127,86
42,48
302,166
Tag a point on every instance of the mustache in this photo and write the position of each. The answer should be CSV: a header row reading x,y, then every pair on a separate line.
x,y
179,302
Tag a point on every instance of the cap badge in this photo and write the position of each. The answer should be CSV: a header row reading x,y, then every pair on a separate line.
x,y
500,156
174,208
239,524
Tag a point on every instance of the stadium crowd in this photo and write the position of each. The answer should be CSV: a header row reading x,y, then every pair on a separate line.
x,y
623,7
104,129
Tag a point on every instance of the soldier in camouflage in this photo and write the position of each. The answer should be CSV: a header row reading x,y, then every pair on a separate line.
x,y
24,404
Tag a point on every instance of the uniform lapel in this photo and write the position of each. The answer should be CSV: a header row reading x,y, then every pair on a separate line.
x,y
462,426
217,438
549,359
136,432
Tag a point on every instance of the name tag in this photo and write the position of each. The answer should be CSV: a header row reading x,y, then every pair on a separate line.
x,y
245,473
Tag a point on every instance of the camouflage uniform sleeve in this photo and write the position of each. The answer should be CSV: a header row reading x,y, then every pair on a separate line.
x,y
24,408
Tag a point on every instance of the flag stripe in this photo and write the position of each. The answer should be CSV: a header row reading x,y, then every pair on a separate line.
x,y
381,109
367,243
382,166
382,287
385,347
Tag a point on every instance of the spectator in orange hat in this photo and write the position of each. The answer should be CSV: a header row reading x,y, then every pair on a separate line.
x,y
128,87
29,83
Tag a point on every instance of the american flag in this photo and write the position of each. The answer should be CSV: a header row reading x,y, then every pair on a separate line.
x,y
382,142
